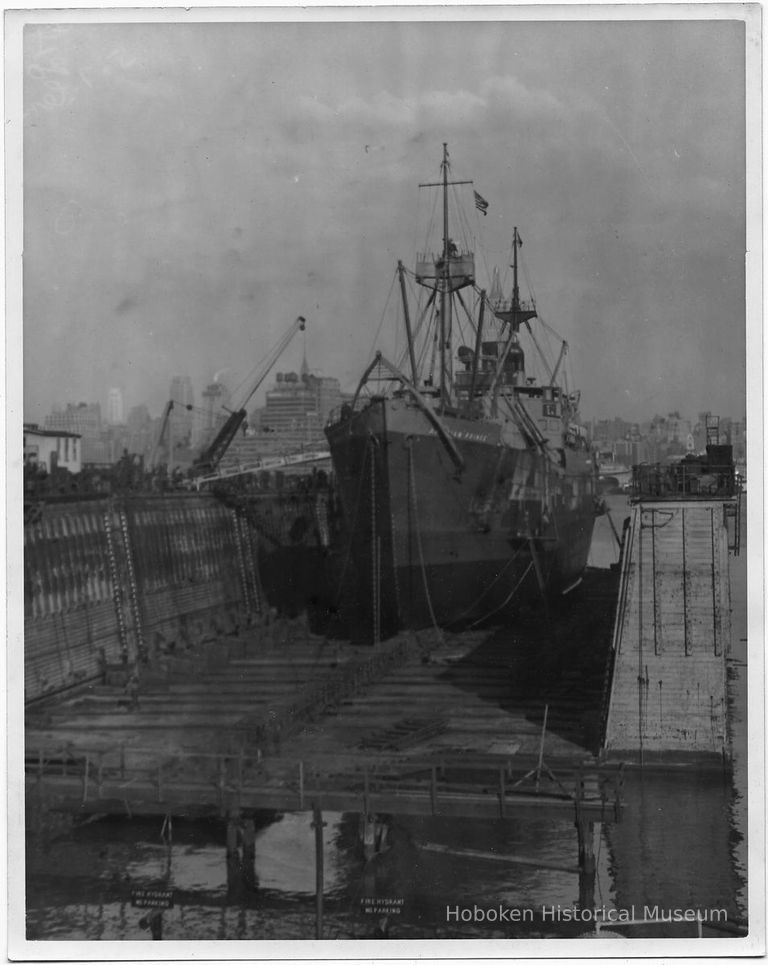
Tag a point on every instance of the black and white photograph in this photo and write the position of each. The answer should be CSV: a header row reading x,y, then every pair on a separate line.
x,y
384,420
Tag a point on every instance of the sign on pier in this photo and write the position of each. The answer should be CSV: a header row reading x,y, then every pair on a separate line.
x,y
152,897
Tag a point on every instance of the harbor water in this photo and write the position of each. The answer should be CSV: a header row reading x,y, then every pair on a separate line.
x,y
682,844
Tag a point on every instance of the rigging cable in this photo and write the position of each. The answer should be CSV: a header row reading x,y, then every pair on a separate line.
x,y
506,600
481,249
463,227
526,275
488,588
383,315
430,225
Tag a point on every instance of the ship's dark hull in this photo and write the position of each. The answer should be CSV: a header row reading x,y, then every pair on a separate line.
x,y
429,544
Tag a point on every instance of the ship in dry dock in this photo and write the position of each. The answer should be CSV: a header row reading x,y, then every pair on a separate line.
x,y
467,484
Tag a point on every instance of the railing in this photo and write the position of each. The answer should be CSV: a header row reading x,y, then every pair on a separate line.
x,y
124,772
506,305
684,481
459,266
733,512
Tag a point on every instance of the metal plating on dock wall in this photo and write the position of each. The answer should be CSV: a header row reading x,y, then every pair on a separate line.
x,y
123,580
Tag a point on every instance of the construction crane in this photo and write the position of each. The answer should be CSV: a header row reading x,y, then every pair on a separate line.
x,y
208,460
164,423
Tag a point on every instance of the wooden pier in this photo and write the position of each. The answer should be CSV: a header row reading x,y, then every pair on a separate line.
x,y
672,635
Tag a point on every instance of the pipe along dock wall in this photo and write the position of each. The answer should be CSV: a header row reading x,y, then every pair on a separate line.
x,y
672,632
120,580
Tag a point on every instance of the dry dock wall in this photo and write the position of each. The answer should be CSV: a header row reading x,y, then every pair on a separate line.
x,y
124,579
672,632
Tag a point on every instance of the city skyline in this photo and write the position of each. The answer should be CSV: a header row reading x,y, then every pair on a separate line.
x,y
196,186
190,397
645,420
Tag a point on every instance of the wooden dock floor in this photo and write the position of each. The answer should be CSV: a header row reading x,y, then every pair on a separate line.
x,y
424,723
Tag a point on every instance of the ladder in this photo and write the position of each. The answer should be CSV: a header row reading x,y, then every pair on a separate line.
x,y
733,513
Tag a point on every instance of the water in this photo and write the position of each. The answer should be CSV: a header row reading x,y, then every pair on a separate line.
x,y
681,845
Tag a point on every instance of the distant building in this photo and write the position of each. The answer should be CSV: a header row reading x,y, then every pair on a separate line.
x,y
611,430
297,407
215,399
733,432
51,448
139,429
83,419
115,409
293,418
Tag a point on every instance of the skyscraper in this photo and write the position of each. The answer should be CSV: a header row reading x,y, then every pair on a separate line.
x,y
216,398
85,420
115,410
297,407
296,410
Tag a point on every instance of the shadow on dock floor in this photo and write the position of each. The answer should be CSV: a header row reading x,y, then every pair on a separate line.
x,y
427,722
556,658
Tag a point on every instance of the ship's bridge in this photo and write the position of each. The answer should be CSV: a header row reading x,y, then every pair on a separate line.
x,y
512,374
543,407
431,269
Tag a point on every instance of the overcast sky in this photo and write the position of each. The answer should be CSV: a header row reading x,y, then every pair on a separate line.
x,y
190,189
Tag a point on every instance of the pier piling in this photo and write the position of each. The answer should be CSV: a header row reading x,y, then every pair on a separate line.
x,y
318,824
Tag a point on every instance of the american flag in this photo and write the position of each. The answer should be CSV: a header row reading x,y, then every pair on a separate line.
x,y
480,203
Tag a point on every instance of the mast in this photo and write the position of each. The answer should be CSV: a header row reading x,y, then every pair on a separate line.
x,y
515,312
444,274
445,302
478,349
515,287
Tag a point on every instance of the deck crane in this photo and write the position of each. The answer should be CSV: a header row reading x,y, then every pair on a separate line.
x,y
211,456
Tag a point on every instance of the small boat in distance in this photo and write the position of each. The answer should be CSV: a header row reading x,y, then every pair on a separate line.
x,y
467,485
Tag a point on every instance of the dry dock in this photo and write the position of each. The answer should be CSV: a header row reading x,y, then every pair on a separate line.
x,y
479,725
263,715
277,718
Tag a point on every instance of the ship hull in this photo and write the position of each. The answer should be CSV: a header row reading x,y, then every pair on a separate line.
x,y
429,543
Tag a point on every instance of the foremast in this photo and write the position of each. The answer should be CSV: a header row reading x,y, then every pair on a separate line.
x,y
445,275
514,312
496,367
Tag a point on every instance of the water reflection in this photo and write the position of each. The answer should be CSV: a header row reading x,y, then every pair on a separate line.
x,y
673,849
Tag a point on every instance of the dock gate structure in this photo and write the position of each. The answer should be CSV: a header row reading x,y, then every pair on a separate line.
x,y
672,630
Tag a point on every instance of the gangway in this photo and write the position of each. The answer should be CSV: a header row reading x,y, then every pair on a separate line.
x,y
265,465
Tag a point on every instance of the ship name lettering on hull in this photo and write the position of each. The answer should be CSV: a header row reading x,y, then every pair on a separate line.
x,y
464,434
